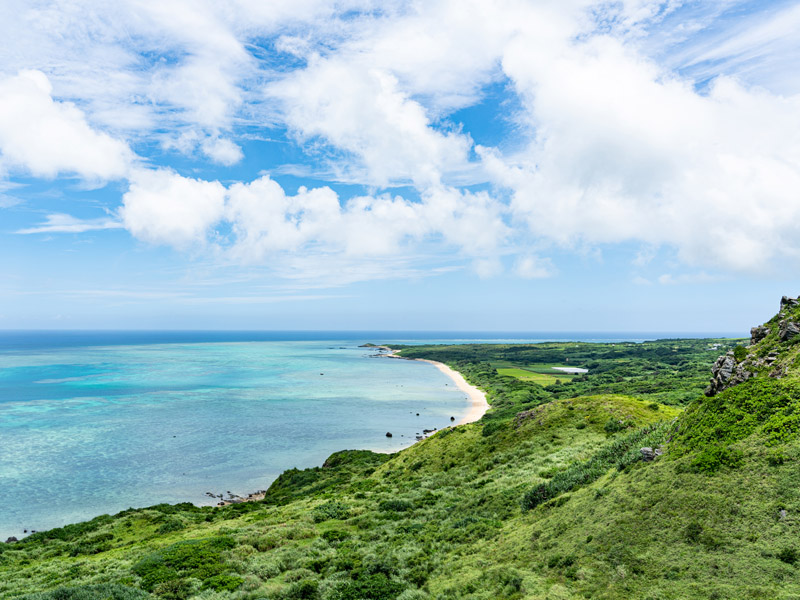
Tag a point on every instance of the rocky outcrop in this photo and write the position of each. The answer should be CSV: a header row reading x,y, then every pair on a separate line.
x,y
788,330
726,373
758,333
734,368
649,454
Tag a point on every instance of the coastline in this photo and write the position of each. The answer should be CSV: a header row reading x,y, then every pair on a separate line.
x,y
477,397
478,407
478,404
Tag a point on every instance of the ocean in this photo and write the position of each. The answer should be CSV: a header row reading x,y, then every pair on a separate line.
x,y
96,422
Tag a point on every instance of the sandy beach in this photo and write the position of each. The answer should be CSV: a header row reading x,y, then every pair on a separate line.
x,y
478,403
477,398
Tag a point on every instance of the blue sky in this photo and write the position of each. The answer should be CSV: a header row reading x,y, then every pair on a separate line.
x,y
491,165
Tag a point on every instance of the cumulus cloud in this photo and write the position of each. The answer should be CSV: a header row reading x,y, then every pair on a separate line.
x,y
45,137
617,138
257,221
162,207
364,112
650,159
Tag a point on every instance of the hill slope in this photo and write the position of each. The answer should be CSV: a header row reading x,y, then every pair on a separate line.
x,y
549,496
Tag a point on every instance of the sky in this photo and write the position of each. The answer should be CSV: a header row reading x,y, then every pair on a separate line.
x,y
481,165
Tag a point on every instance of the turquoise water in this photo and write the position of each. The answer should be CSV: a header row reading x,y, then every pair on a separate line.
x,y
88,430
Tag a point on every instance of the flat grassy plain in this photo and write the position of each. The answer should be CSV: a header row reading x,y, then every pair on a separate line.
x,y
542,375
546,497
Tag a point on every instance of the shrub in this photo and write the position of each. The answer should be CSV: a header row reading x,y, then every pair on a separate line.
x,y
712,459
201,559
619,453
173,589
331,510
740,353
788,555
692,532
335,535
104,591
305,589
225,582
615,425
492,428
395,505
369,587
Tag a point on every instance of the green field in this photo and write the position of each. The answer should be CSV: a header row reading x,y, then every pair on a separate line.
x,y
543,379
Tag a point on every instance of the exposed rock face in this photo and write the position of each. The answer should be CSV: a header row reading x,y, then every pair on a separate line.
x,y
649,454
726,373
758,333
788,330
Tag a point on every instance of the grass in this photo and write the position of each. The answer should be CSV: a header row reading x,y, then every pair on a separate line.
x,y
539,378
546,497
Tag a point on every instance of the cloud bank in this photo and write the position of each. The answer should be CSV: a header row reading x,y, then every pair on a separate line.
x,y
626,122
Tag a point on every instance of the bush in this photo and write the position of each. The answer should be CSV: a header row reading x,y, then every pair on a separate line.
x,y
712,459
615,425
492,428
201,559
104,591
693,532
740,353
331,510
174,589
369,587
335,535
306,589
225,582
395,505
788,555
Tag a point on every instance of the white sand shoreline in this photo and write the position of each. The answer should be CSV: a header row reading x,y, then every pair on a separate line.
x,y
477,397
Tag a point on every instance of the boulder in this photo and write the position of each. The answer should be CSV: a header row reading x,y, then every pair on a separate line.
x,y
11,540
648,454
726,373
388,434
758,333
787,302
788,330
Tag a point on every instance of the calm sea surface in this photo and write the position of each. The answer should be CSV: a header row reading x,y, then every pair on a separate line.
x,y
96,422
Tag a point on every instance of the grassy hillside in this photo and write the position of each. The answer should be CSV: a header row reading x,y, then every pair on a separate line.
x,y
548,496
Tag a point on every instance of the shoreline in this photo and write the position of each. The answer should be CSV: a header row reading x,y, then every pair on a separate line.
x,y
477,397
478,403
477,408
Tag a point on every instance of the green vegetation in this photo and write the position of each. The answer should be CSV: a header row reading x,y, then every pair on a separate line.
x,y
548,496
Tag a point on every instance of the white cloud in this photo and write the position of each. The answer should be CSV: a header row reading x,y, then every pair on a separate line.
x,y
61,223
364,112
264,224
626,151
163,207
612,144
45,137
222,151
534,267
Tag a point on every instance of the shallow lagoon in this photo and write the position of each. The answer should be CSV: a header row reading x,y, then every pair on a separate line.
x,y
87,430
